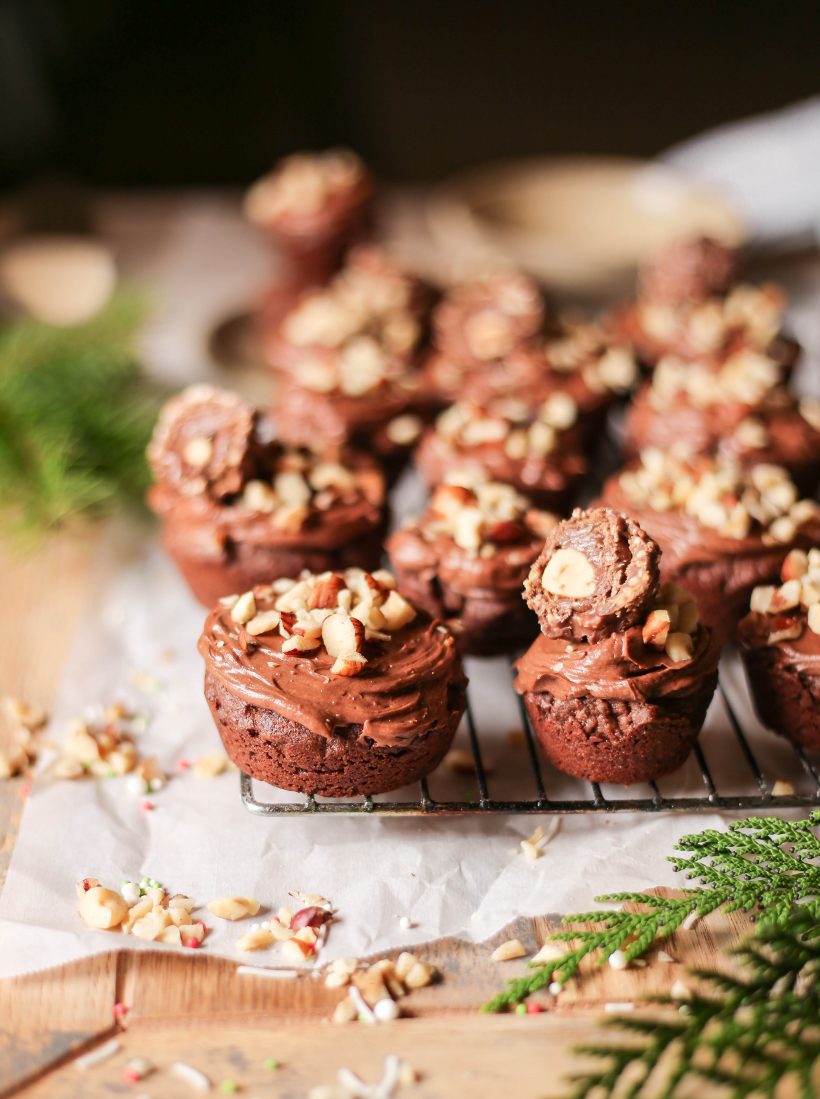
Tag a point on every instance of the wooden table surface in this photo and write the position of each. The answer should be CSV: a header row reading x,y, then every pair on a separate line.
x,y
197,1010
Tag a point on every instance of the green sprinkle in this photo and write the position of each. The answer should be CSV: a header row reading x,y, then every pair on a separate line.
x,y
271,1063
520,1009
228,1086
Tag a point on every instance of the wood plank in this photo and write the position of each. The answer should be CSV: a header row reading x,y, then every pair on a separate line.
x,y
528,1057
47,1016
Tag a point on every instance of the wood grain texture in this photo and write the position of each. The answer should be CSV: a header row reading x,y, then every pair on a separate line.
x,y
528,1058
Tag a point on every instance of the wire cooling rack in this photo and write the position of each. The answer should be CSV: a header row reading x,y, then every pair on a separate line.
x,y
736,765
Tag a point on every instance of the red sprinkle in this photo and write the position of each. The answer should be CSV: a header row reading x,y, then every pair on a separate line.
x,y
120,1010
183,764
131,1076
25,789
146,805
534,1008
192,942
201,923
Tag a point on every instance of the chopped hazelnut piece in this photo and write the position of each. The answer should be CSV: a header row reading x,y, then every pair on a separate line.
x,y
507,951
233,908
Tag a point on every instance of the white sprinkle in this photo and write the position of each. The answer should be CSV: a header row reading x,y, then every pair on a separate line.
x,y
365,1013
618,960
101,1053
354,1084
555,988
664,957
130,892
690,921
405,923
680,991
386,1010
613,1006
140,1065
190,1075
263,971
135,786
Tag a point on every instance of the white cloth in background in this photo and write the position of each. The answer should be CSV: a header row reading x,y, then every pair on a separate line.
x,y
768,166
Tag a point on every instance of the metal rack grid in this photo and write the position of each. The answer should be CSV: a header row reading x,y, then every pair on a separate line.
x,y
761,793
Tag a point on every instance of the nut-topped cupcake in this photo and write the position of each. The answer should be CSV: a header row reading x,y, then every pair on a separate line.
x,y
780,643
725,529
332,684
466,558
690,305
481,322
536,450
618,683
347,357
313,206
237,506
574,357
735,406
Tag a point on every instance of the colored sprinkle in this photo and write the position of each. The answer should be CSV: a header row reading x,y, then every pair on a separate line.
x,y
131,1076
520,1009
228,1086
192,943
25,789
146,806
183,764
120,1010
271,1063
534,1008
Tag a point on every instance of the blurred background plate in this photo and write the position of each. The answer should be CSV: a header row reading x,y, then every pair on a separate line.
x,y
580,224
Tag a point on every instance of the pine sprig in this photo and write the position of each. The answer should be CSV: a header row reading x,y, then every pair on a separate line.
x,y
761,865
759,1034
75,417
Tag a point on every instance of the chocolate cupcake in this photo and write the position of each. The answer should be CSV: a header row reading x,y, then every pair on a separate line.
x,y
573,357
690,305
536,450
347,357
725,529
780,643
482,322
332,684
735,407
313,206
617,685
238,506
466,558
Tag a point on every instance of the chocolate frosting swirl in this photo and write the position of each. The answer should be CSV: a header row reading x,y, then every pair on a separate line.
x,y
617,667
405,690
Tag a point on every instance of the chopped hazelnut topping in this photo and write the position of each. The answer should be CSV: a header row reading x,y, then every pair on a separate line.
x,y
796,596
752,313
719,494
302,184
479,514
340,613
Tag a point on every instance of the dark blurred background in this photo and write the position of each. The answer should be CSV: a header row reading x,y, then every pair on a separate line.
x,y
134,92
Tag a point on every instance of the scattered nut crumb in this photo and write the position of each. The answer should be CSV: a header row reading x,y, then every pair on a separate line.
x,y
508,950
211,766
782,788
